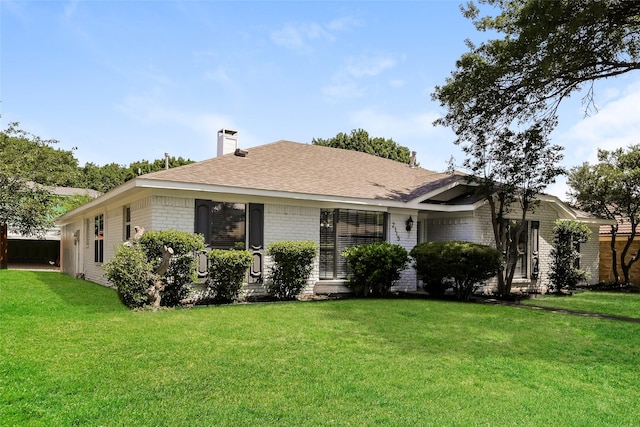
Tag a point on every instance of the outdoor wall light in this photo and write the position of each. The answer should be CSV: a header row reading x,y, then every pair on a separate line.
x,y
409,223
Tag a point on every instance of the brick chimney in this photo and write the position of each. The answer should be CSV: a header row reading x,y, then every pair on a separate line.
x,y
227,141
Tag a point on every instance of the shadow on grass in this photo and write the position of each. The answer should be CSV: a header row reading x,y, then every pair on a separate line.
x,y
478,331
81,294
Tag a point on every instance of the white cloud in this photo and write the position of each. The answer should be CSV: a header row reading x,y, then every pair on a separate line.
x,y
341,91
615,125
150,109
299,36
344,83
219,75
70,8
369,64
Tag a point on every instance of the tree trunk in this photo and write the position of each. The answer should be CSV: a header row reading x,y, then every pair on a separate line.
x,y
4,247
614,254
626,266
157,286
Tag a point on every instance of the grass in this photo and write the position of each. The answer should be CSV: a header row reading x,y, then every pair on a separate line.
x,y
70,354
608,303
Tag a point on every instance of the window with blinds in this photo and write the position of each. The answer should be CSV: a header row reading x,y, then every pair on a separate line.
x,y
222,224
341,229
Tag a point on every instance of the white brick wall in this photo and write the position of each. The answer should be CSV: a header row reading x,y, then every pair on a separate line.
x,y
172,213
546,216
398,235
441,228
284,222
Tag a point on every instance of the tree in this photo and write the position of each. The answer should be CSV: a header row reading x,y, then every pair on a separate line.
x,y
359,140
509,172
109,176
549,50
27,165
611,189
565,254
506,92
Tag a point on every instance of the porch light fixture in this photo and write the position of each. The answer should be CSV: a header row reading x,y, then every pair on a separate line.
x,y
409,223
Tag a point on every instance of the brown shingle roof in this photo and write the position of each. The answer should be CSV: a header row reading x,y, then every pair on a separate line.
x,y
286,166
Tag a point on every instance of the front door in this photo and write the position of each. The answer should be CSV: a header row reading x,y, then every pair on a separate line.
x,y
256,241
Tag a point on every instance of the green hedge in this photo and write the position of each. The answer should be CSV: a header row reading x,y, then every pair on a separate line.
x,y
374,267
129,270
132,267
227,270
466,263
292,266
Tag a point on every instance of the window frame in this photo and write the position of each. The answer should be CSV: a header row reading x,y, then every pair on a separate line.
x,y
206,221
98,224
126,228
344,228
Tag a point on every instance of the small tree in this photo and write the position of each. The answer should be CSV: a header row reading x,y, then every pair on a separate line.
x,y
609,189
567,235
183,269
292,266
466,263
374,267
227,269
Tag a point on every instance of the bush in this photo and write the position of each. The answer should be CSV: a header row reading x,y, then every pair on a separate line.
x,y
183,269
227,269
292,266
374,267
130,272
466,263
567,234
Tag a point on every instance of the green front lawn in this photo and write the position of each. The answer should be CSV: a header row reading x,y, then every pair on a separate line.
x,y
608,303
71,354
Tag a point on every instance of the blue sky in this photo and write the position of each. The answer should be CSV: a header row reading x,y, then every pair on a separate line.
x,y
129,80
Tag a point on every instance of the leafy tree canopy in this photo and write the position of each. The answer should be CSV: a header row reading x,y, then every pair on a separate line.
x,y
27,164
549,50
359,140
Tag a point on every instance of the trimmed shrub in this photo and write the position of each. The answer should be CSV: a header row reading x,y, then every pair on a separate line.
x,y
466,263
227,269
183,269
130,272
292,266
567,235
374,267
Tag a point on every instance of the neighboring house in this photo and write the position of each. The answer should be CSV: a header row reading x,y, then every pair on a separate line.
x,y
292,191
45,248
606,268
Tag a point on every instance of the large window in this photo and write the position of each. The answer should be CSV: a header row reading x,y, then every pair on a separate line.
x,y
222,224
341,229
98,242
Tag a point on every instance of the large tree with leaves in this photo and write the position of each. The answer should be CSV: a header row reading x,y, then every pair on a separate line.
x,y
611,189
28,164
359,140
501,99
549,50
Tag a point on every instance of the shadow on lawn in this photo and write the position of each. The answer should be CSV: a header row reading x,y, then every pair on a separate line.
x,y
81,294
477,331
